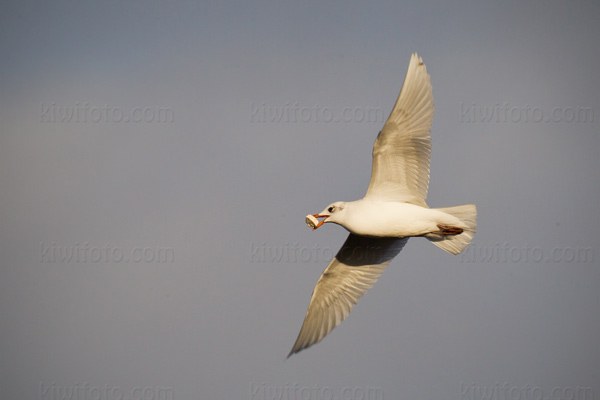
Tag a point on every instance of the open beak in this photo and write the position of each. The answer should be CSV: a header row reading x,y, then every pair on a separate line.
x,y
321,222
313,221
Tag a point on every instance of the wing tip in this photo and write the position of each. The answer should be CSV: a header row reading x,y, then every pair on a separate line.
x,y
415,58
297,349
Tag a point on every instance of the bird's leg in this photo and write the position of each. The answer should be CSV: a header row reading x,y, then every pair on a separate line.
x,y
448,230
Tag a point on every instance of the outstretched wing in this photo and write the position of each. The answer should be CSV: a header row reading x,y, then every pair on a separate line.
x,y
352,272
401,153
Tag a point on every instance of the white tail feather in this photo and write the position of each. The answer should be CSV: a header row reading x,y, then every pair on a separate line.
x,y
467,214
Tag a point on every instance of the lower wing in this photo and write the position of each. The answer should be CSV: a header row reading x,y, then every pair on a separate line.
x,y
352,272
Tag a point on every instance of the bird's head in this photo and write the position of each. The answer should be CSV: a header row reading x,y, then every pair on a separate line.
x,y
332,213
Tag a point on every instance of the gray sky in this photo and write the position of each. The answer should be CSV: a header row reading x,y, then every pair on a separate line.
x,y
157,160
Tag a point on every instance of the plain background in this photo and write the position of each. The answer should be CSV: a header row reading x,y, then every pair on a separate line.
x,y
182,204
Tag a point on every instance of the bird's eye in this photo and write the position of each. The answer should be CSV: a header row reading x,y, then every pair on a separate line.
x,y
331,209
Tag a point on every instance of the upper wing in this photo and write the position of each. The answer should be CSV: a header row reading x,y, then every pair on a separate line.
x,y
402,149
352,272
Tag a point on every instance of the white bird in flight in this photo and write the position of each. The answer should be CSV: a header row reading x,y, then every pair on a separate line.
x,y
393,210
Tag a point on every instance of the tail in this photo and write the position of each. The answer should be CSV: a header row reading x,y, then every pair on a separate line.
x,y
455,243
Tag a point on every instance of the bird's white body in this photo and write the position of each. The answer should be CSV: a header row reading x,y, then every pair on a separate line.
x,y
392,219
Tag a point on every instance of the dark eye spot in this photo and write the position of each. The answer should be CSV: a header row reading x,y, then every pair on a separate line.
x,y
330,209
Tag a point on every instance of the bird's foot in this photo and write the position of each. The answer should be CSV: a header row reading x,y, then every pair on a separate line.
x,y
448,230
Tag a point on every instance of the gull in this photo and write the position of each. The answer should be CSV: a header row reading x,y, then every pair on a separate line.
x,y
392,211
